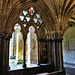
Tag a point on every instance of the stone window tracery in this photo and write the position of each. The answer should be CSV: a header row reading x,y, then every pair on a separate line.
x,y
30,15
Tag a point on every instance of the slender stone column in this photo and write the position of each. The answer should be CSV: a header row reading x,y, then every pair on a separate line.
x,y
50,44
50,51
47,50
8,39
4,53
57,52
38,52
54,49
24,53
61,53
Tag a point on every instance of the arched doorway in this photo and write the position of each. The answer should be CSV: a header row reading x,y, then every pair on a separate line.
x,y
69,45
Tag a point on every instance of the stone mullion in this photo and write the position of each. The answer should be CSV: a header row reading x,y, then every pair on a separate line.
x,y
38,52
41,51
24,54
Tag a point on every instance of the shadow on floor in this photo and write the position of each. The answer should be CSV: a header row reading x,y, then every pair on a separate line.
x,y
70,69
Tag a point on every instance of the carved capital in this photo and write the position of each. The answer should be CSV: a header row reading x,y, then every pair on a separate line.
x,y
24,38
2,35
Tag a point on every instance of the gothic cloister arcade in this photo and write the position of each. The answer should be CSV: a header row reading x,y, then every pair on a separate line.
x,y
31,34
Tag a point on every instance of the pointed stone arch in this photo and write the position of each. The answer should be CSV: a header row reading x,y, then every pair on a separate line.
x,y
19,7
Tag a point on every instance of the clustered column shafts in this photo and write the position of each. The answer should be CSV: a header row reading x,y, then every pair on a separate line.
x,y
55,49
55,52
61,53
58,56
7,54
4,63
55,56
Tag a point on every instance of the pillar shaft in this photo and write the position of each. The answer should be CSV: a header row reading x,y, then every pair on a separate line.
x,y
58,57
38,52
61,53
24,54
55,56
50,51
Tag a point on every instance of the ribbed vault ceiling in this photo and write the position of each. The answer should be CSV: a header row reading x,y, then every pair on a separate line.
x,y
65,8
71,21
62,10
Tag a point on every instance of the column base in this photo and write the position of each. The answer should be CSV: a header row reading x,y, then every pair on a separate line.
x,y
24,66
38,63
5,68
49,63
8,68
63,69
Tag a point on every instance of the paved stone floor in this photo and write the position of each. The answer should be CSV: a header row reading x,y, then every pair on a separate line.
x,y
70,69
